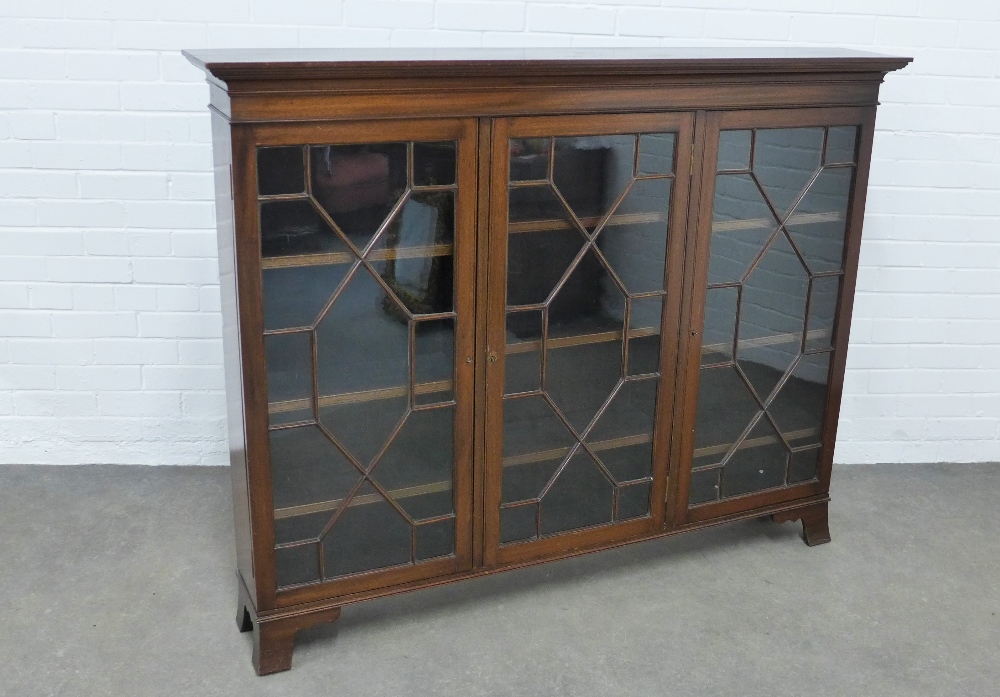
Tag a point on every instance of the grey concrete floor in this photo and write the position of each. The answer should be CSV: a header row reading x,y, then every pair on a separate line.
x,y
119,581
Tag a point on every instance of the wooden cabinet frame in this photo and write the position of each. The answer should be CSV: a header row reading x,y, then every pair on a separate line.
x,y
481,100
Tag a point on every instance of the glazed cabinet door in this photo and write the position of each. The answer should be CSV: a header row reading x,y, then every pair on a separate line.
x,y
363,256
772,284
586,243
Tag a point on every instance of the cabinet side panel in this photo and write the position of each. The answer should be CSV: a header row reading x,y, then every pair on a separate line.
x,y
222,168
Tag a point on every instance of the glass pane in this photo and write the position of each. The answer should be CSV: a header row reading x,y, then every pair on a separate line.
x,y
581,496
804,465
417,468
704,486
434,163
525,480
542,243
725,408
840,143
295,565
819,224
307,468
644,335
799,406
363,342
523,363
633,501
592,172
631,413
634,240
435,539
294,296
434,362
369,534
531,429
734,150
289,377
656,153
719,328
517,523
823,298
758,463
414,253
358,185
280,170
529,158
626,460
772,317
742,223
784,161
298,528
296,227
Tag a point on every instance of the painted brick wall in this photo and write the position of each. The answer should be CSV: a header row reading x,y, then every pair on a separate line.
x,y
109,306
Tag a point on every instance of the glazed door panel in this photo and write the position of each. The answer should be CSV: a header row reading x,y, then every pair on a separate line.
x,y
586,230
367,257
775,238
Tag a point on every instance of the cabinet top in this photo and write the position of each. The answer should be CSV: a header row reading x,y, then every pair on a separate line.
x,y
340,63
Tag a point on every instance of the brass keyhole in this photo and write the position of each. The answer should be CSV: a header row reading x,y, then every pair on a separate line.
x,y
492,357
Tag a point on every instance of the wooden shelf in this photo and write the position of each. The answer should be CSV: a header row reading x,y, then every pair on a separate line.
x,y
579,340
298,260
750,443
789,338
421,388
646,218
769,223
590,222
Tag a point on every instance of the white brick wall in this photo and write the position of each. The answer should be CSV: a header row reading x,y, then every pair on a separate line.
x,y
109,324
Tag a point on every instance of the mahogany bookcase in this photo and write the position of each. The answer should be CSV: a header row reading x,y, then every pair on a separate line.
x,y
484,309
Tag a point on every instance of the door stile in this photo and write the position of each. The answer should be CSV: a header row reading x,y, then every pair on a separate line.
x,y
484,143
670,330
706,147
495,334
704,150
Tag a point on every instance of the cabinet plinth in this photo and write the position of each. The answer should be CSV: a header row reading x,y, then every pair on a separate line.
x,y
485,309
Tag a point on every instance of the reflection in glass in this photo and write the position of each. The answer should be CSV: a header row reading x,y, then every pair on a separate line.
x,y
529,158
587,241
784,308
823,295
719,329
784,162
734,150
656,153
840,144
634,240
644,335
358,185
577,160
819,225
